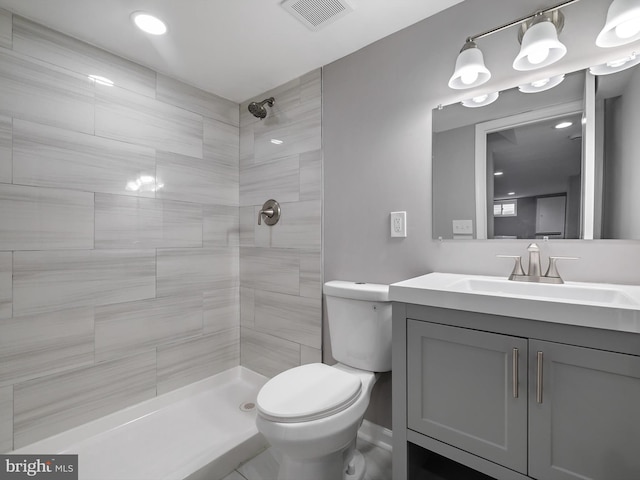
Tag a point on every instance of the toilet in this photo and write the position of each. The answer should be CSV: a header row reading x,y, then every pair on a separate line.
x,y
310,414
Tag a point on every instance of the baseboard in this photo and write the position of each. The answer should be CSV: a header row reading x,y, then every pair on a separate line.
x,y
375,434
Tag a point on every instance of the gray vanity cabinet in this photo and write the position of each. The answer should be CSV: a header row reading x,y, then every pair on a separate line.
x,y
584,422
514,398
464,392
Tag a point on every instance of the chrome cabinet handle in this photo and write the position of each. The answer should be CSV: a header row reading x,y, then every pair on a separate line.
x,y
515,373
539,359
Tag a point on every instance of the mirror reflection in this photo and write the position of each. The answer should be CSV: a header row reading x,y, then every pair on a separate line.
x,y
558,163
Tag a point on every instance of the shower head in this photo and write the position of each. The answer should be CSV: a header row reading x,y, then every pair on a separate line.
x,y
257,108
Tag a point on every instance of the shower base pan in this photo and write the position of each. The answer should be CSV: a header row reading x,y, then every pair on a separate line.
x,y
202,431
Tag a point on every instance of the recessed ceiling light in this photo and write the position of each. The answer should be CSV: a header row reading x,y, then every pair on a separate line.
x,y
275,141
564,125
497,174
511,193
148,23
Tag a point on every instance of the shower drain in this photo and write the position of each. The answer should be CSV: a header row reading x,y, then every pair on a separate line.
x,y
247,406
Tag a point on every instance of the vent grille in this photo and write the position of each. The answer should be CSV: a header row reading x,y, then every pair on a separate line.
x,y
316,14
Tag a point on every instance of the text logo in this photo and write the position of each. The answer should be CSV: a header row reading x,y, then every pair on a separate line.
x,y
45,467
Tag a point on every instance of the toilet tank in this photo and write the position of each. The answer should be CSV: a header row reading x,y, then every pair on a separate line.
x,y
359,316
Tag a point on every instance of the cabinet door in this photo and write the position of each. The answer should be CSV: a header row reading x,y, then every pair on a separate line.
x,y
461,390
587,425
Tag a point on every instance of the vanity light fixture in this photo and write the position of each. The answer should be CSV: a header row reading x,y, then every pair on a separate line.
x,y
480,100
540,44
616,65
148,23
622,25
542,84
470,70
540,47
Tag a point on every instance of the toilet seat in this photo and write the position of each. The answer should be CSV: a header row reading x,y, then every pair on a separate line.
x,y
306,393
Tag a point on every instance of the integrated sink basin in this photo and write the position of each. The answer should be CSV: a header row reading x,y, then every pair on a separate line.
x,y
570,292
598,305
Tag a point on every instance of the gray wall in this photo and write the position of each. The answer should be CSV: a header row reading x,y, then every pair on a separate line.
x,y
280,265
377,150
108,296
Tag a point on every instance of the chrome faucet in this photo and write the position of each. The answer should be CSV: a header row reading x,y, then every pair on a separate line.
x,y
534,270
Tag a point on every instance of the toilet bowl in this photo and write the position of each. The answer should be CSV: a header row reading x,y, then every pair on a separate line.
x,y
311,414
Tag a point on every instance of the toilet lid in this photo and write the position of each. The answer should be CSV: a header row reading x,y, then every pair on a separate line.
x,y
308,392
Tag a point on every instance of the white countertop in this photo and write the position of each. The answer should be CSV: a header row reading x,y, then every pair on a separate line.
x,y
596,305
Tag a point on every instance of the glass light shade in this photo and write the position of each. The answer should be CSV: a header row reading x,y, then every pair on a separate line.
x,y
541,85
616,65
470,70
622,25
480,100
540,47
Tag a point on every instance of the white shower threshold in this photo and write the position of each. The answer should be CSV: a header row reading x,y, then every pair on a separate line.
x,y
202,431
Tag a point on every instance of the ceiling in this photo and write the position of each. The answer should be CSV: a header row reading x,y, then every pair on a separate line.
x,y
234,48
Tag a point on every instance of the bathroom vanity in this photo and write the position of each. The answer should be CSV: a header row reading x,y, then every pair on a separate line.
x,y
516,380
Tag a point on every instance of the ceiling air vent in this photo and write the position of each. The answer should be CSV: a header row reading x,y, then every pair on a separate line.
x,y
316,14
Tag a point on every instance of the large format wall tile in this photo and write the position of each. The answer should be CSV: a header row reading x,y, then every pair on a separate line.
x,y
271,269
221,226
133,327
6,418
311,273
198,101
39,92
192,360
5,149
196,180
299,227
5,35
50,46
279,180
39,345
311,175
221,309
52,404
294,318
221,142
45,218
266,354
135,118
189,271
6,287
129,222
47,281
46,156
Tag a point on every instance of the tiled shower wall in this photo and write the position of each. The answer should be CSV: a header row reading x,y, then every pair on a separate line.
x,y
119,244
280,265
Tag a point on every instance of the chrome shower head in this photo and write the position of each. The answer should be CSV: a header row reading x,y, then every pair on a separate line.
x,y
257,108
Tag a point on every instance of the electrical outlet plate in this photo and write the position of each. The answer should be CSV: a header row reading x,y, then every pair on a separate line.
x,y
398,224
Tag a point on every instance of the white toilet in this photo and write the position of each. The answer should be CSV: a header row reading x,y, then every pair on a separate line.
x,y
311,414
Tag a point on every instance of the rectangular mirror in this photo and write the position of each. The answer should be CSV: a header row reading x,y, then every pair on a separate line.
x,y
558,163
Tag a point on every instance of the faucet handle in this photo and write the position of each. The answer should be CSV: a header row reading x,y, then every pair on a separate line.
x,y
517,267
552,271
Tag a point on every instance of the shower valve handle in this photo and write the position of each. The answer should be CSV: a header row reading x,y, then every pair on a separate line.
x,y
270,211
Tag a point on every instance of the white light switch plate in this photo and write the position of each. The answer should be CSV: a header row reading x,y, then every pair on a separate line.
x,y
398,224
